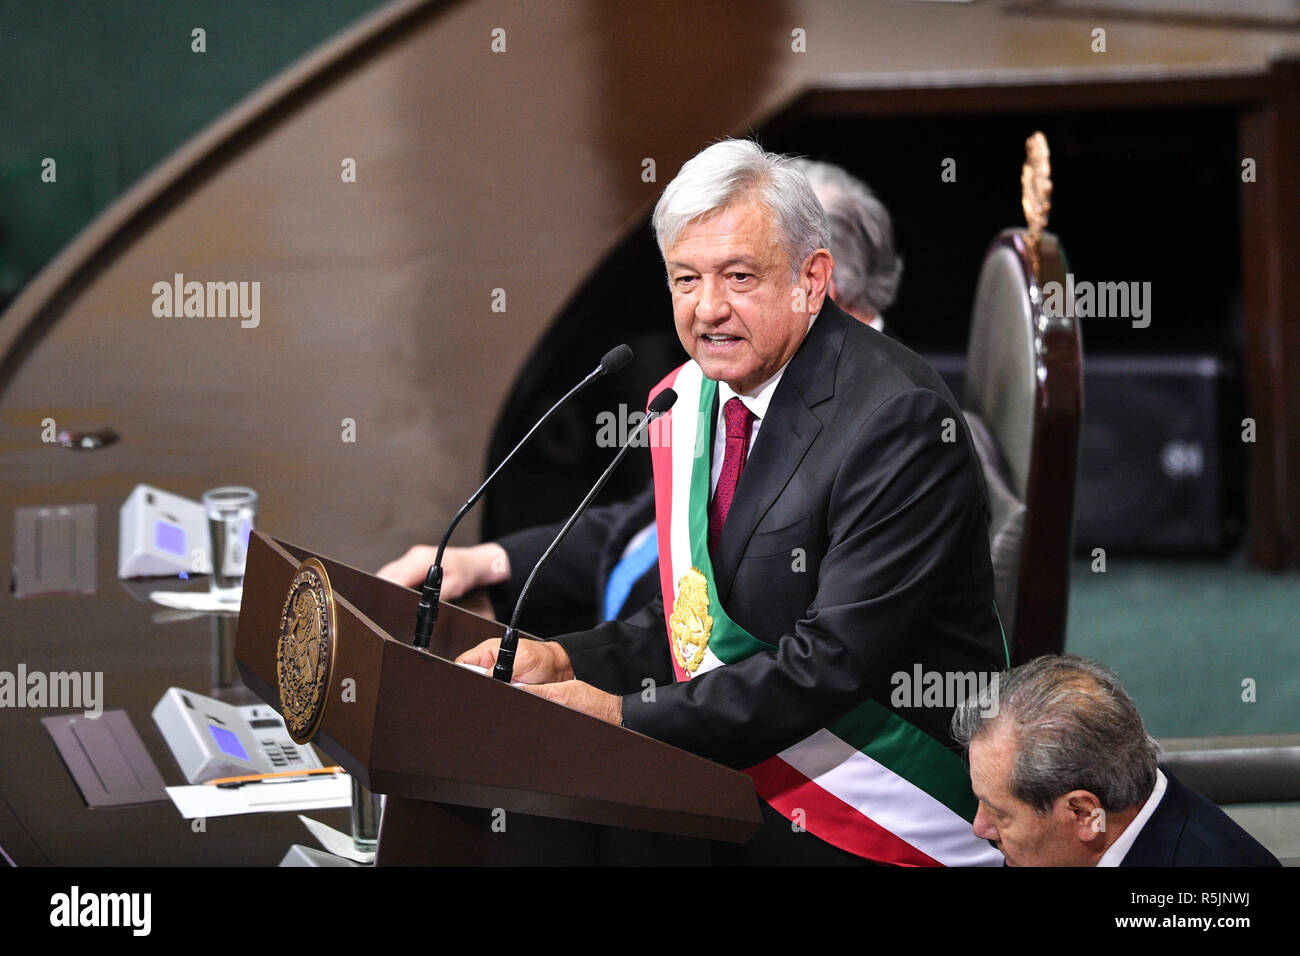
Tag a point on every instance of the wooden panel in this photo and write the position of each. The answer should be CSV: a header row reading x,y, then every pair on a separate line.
x,y
476,171
1270,264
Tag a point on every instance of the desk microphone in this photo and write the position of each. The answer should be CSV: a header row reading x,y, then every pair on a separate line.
x,y
505,665
427,615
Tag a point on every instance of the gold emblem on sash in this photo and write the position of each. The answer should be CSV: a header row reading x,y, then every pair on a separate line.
x,y
305,650
690,622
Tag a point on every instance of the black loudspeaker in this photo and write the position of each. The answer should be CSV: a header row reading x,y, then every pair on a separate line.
x,y
1162,462
1161,456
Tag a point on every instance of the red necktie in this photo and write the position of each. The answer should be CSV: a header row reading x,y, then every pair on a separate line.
x,y
740,422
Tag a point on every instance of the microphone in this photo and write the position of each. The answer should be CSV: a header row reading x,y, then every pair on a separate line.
x,y
427,614
505,665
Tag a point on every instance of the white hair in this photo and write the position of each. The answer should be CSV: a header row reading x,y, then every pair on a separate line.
x,y
867,269
731,169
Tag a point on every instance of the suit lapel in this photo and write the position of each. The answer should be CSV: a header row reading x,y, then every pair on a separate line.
x,y
787,431
1156,844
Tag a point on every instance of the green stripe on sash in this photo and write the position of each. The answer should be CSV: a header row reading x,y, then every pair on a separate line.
x,y
871,727
728,641
908,751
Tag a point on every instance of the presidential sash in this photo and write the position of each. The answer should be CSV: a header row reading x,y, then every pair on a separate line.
x,y
869,783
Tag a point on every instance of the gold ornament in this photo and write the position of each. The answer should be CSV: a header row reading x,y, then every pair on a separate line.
x,y
305,653
1036,191
690,622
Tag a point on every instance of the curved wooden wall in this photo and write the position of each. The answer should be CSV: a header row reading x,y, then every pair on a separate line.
x,y
476,171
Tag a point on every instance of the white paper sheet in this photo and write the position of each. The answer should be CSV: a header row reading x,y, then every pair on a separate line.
x,y
340,844
204,800
196,600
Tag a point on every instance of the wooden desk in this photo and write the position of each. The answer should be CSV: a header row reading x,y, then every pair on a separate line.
x,y
43,820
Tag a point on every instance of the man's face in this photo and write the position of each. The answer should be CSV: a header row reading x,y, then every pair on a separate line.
x,y
1025,837
737,312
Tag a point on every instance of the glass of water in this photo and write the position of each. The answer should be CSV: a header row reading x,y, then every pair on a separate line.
x,y
231,513
367,810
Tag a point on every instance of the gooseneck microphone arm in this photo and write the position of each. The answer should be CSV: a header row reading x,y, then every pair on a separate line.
x,y
427,614
505,665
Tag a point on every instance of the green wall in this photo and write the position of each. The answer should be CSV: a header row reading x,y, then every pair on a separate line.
x,y
108,88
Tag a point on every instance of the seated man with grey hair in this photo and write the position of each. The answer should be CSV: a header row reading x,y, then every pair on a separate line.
x,y
1066,775
867,269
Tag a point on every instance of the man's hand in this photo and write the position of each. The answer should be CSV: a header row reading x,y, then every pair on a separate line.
x,y
463,569
583,697
536,662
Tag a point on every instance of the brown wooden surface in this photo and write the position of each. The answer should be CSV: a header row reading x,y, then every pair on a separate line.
x,y
1270,264
142,649
1042,598
477,173
421,727
415,832
377,295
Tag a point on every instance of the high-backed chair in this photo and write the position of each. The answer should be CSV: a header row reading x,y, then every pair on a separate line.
x,y
1023,401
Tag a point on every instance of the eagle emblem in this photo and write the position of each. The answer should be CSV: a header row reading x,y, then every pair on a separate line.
x,y
305,651
690,623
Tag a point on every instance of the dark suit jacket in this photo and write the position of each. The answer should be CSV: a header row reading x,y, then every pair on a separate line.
x,y
856,546
1188,830
569,593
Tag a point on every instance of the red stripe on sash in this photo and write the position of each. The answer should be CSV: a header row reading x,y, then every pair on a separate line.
x,y
661,459
830,818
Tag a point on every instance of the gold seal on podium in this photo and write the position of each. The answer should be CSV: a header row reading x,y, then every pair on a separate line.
x,y
305,653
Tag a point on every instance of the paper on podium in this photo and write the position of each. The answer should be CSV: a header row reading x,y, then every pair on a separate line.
x,y
205,800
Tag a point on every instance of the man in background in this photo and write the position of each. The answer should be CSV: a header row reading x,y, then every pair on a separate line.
x,y
1066,775
867,269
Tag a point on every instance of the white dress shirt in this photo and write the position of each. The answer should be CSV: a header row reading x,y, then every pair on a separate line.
x,y
756,401
1116,852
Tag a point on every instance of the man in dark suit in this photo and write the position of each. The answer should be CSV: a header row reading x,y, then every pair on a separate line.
x,y
1066,775
833,540
607,567
1188,830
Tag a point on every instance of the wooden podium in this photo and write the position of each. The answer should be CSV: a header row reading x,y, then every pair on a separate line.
x,y
476,771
